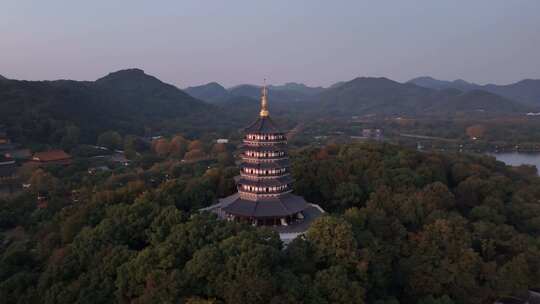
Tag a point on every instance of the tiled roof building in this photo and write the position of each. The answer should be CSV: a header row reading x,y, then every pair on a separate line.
x,y
57,157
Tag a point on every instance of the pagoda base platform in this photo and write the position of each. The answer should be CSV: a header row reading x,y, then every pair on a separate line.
x,y
295,226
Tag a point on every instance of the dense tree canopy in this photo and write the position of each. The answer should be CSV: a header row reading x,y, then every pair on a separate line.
x,y
402,227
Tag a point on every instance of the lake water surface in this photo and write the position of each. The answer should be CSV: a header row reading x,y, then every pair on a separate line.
x,y
516,158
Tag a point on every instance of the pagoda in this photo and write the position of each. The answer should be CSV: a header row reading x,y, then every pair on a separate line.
x,y
264,196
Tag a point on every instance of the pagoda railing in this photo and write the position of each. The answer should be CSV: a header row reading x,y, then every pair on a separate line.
x,y
256,142
265,176
255,159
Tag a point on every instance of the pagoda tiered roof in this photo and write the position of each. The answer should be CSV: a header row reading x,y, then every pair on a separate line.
x,y
280,206
281,163
263,125
266,182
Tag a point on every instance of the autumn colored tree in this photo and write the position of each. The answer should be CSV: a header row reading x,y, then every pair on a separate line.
x,y
162,147
179,146
476,131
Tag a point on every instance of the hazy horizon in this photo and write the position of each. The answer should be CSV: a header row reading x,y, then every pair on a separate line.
x,y
236,42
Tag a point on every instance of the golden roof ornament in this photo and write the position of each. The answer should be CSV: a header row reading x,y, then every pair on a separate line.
x,y
264,102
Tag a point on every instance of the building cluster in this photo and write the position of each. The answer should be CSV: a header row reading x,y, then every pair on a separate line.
x,y
376,134
13,156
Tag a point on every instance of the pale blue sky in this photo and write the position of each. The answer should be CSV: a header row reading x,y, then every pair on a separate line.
x,y
316,42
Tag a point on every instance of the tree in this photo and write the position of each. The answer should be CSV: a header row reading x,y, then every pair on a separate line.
x,y
110,139
130,146
337,287
194,155
476,131
333,241
43,181
219,148
195,145
178,146
225,159
443,262
347,195
71,138
162,147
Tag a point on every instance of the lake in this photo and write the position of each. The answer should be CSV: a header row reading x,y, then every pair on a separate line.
x,y
516,158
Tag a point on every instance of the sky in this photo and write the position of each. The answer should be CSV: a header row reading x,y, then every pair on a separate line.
x,y
191,42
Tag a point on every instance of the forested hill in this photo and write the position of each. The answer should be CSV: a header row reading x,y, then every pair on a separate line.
x,y
210,92
526,91
403,227
368,95
128,101
287,93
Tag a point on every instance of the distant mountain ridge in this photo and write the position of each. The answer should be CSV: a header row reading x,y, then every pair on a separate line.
x,y
432,83
297,87
133,102
211,92
290,92
526,91
369,95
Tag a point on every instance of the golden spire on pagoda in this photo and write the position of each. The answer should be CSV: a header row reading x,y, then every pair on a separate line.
x,y
264,102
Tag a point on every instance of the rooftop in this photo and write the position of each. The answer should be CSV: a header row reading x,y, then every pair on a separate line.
x,y
263,125
52,155
283,205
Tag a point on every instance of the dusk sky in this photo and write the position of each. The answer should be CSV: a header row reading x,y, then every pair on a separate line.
x,y
232,42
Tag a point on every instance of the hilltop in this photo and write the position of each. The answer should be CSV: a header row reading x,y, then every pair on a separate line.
x,y
368,95
526,91
129,101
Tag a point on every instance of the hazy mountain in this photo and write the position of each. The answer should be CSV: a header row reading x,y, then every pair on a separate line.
x,y
476,101
297,87
274,95
367,95
129,101
526,91
337,84
432,83
2,77
210,92
287,93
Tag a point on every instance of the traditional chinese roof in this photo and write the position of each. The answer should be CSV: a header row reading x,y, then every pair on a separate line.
x,y
52,155
267,165
265,148
266,182
263,125
283,205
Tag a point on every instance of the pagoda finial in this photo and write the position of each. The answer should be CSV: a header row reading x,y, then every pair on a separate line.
x,y
264,101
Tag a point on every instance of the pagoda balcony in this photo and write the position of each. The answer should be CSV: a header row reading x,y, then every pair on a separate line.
x,y
275,165
265,136
265,154
263,142
249,159
265,147
263,176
